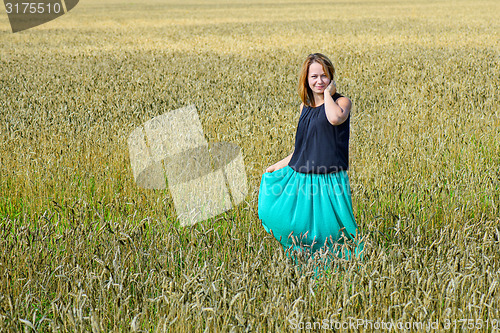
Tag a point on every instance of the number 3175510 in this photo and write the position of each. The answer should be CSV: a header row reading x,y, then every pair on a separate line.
x,y
32,8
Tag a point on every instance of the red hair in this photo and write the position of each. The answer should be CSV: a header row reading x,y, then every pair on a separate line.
x,y
306,94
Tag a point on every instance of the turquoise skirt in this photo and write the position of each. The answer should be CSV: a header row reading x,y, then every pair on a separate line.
x,y
309,211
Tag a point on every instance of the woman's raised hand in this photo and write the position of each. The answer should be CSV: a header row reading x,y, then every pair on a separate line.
x,y
331,89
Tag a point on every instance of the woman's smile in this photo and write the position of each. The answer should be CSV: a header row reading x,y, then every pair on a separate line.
x,y
317,78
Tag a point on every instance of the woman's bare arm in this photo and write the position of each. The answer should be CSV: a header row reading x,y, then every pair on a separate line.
x,y
280,164
284,162
336,112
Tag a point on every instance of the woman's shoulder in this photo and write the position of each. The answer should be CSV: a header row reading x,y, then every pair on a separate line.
x,y
342,100
337,96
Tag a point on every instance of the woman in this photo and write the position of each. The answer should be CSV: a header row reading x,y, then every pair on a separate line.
x,y
305,199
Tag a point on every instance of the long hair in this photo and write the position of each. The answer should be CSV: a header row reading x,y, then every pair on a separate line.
x,y
306,94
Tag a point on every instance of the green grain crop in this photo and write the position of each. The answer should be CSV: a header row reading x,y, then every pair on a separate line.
x,y
82,248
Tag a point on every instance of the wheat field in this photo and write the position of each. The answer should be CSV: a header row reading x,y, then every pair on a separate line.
x,y
82,248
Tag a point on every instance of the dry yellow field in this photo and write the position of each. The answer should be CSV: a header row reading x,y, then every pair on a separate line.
x,y
82,248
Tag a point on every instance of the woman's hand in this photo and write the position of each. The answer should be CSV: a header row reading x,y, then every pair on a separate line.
x,y
280,164
275,166
331,89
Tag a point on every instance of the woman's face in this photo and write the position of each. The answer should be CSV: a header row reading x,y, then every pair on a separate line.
x,y
317,78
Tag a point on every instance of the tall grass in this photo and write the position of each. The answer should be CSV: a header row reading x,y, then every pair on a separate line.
x,y
83,248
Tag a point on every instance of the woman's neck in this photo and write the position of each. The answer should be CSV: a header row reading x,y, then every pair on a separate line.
x,y
318,99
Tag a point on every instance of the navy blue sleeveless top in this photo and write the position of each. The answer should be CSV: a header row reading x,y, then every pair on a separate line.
x,y
320,147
